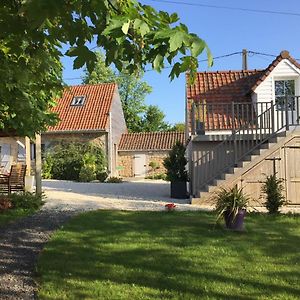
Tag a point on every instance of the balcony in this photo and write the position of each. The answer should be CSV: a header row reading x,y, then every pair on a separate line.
x,y
248,117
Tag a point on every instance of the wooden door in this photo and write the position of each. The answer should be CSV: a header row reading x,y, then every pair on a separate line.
x,y
292,158
140,165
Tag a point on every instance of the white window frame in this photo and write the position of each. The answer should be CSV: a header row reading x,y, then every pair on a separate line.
x,y
292,100
78,101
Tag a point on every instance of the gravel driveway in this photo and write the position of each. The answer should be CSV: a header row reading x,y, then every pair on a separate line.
x,y
137,195
21,242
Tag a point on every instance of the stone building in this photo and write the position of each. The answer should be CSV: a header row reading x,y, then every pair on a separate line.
x,y
142,154
89,113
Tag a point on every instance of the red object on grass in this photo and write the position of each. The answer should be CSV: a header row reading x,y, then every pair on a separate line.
x,y
170,206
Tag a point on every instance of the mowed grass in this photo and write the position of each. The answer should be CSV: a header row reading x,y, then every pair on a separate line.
x,y
180,255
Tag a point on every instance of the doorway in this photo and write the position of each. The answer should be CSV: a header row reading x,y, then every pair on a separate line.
x,y
140,165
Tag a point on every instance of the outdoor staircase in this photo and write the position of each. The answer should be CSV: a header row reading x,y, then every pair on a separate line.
x,y
233,174
257,131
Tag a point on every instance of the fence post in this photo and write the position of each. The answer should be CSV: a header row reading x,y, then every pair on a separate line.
x,y
286,106
272,118
233,132
193,119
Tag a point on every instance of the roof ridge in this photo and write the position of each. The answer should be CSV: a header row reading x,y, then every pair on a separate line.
x,y
231,71
152,132
91,84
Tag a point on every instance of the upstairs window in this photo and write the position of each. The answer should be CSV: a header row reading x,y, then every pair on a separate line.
x,y
78,101
285,89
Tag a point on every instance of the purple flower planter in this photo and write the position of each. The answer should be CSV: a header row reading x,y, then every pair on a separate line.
x,y
237,223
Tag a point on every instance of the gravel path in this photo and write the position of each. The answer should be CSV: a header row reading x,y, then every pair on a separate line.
x,y
21,242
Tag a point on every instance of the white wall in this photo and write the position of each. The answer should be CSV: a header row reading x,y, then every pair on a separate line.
x,y
265,92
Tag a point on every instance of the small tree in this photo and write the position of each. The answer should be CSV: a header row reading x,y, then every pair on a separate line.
x,y
273,188
175,163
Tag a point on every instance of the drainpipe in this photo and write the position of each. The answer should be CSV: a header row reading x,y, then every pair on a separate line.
x,y
245,59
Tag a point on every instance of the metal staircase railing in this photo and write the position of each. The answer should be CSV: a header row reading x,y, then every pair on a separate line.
x,y
246,139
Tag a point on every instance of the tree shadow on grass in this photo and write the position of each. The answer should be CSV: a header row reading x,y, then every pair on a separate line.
x,y
175,254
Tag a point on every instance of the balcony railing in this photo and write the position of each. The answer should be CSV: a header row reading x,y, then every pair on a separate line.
x,y
226,116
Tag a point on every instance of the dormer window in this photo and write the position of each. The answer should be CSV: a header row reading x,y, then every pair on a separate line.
x,y
285,91
78,101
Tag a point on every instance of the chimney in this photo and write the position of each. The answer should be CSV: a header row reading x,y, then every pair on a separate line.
x,y
245,59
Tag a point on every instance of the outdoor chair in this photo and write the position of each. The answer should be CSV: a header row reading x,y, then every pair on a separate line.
x,y
14,181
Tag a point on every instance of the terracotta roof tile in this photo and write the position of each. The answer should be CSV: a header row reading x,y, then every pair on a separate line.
x,y
92,115
223,86
150,140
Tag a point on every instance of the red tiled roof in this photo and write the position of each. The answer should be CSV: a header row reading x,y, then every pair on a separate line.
x,y
150,140
223,86
92,115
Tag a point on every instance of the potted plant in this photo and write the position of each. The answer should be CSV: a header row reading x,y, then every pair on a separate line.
x,y
176,173
231,203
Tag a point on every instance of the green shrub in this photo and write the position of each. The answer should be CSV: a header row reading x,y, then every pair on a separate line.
x,y
175,163
47,168
87,174
114,180
273,188
27,200
101,176
154,165
157,176
65,161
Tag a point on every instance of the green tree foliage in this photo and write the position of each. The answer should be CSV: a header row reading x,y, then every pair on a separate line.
x,y
75,161
153,120
175,163
138,116
178,127
132,35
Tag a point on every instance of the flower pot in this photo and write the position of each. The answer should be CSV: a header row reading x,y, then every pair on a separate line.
x,y
236,223
179,190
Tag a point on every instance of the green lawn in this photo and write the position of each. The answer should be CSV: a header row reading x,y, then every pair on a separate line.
x,y
180,255
11,215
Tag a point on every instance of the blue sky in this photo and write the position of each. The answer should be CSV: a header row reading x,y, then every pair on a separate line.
x,y
225,31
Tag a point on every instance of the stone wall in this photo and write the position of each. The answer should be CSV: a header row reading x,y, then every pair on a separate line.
x,y
125,165
51,139
158,158
126,162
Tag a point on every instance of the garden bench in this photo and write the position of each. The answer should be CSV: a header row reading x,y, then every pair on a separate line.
x,y
14,181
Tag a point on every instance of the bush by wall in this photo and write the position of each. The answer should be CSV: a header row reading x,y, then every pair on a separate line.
x,y
75,161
